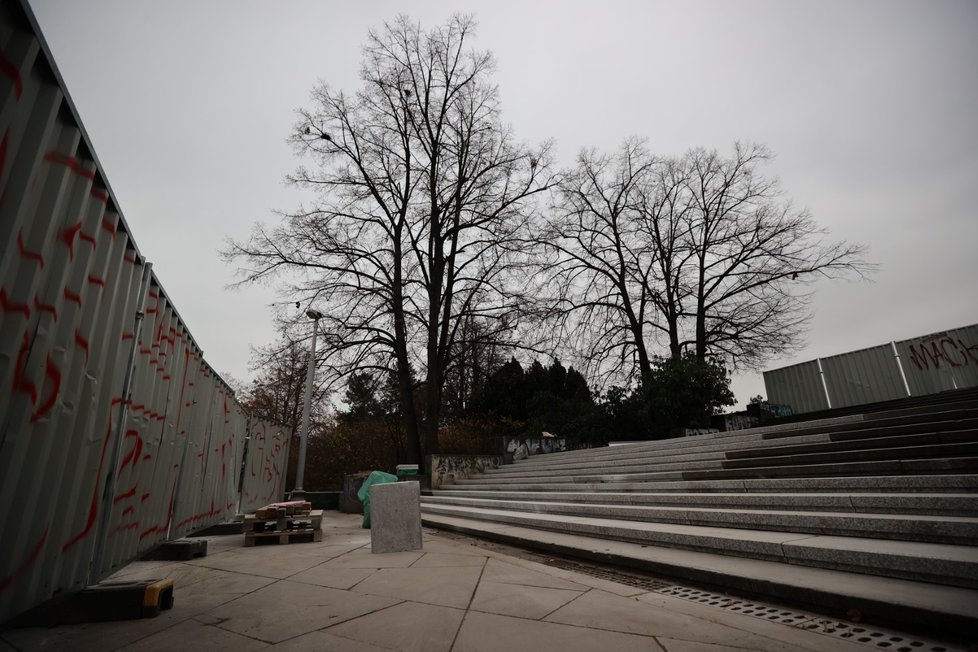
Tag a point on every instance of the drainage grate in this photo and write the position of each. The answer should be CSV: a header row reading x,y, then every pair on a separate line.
x,y
876,638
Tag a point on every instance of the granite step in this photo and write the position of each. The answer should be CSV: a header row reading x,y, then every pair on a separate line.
x,y
884,600
677,472
891,440
940,445
923,483
932,504
951,565
874,467
840,451
925,528
692,448
852,427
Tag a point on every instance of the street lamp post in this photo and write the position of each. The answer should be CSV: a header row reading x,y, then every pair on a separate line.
x,y
315,316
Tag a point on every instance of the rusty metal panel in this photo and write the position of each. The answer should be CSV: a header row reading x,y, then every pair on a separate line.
x,y
799,386
115,434
864,376
941,361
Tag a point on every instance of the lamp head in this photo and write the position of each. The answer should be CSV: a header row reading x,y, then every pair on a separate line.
x,y
314,314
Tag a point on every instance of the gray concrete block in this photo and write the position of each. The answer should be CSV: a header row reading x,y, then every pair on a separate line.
x,y
395,517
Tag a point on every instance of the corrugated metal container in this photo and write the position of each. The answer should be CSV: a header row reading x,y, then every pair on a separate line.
x,y
799,386
941,361
115,434
922,365
864,376
265,464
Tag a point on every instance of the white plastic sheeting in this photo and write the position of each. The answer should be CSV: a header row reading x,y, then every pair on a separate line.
x,y
115,434
921,365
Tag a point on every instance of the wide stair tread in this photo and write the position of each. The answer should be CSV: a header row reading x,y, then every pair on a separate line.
x,y
955,565
835,429
923,483
933,504
926,528
901,602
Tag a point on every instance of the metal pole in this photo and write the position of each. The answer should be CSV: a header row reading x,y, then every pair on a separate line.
x,y
304,428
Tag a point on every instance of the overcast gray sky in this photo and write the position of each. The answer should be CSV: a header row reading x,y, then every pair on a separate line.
x,y
870,107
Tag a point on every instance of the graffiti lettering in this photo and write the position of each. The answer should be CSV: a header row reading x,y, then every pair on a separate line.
x,y
523,447
950,351
447,469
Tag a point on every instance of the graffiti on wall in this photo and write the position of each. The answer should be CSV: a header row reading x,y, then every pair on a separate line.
x,y
942,348
447,469
523,447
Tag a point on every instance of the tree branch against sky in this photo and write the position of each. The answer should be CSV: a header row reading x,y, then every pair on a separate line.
x,y
697,253
753,254
603,273
422,199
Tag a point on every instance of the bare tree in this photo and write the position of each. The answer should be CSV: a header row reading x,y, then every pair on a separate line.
x,y
422,197
697,253
603,265
753,254
278,390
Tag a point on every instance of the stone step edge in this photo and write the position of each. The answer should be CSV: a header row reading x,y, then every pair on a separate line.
x,y
864,468
525,506
813,444
893,602
737,457
903,528
949,564
853,503
765,433
960,482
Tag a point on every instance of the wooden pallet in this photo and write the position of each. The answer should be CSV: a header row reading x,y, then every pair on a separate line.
x,y
287,536
252,522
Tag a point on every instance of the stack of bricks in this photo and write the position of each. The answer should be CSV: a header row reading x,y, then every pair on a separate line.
x,y
289,522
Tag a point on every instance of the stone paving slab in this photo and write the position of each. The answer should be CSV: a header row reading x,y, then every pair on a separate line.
x,y
456,595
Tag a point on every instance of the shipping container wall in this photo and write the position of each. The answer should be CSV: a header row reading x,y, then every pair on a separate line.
x,y
799,386
264,465
921,365
115,434
941,361
864,376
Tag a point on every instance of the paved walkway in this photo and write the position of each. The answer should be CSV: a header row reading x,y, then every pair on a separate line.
x,y
453,595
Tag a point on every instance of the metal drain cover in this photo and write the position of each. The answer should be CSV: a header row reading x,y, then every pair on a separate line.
x,y
877,638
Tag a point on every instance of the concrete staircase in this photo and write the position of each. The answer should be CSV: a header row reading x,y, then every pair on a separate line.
x,y
875,512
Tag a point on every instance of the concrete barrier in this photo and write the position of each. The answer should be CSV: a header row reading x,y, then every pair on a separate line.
x,y
395,520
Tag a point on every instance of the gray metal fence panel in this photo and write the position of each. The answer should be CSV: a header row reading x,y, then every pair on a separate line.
x,y
799,386
265,465
941,361
864,376
115,434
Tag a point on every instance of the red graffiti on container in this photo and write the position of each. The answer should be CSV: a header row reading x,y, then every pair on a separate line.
x,y
71,162
942,348
10,306
53,374
44,307
28,561
26,254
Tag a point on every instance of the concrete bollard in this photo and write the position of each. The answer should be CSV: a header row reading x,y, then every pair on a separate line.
x,y
395,517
